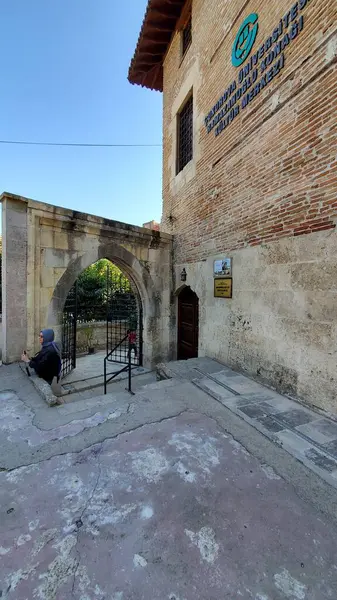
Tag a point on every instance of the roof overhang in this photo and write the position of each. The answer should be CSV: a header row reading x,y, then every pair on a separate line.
x,y
161,19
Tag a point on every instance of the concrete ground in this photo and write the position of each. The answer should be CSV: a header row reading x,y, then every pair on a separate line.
x,y
89,373
308,434
168,494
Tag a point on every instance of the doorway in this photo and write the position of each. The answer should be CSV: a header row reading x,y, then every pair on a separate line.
x,y
102,308
188,324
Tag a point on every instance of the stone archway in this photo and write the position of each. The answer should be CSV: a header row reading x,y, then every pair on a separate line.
x,y
135,272
46,247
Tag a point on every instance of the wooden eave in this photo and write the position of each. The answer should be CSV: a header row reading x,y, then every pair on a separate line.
x,y
162,19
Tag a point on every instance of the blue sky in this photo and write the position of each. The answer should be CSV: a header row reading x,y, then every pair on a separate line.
x,y
64,66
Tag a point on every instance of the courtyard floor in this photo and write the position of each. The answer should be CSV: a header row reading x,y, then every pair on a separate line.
x,y
89,372
164,495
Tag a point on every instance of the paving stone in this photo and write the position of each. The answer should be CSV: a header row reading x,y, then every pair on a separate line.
x,y
318,431
210,386
328,428
207,365
331,447
227,373
239,383
270,424
282,404
240,402
321,460
294,442
262,396
267,408
254,411
296,417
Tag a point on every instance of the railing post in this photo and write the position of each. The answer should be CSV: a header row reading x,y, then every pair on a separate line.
x,y
129,369
104,376
75,328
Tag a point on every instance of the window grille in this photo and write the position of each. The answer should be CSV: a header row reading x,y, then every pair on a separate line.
x,y
187,36
185,135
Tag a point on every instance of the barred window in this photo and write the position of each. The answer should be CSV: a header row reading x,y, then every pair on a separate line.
x,y
185,135
187,36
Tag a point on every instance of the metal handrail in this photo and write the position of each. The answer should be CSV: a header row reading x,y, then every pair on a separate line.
x,y
127,367
115,348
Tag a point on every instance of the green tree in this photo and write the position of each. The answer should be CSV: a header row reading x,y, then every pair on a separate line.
x,y
103,290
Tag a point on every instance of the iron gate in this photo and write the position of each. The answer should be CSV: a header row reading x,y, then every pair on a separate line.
x,y
120,306
69,327
124,320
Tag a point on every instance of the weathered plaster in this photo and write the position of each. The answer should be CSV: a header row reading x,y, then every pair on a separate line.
x,y
280,325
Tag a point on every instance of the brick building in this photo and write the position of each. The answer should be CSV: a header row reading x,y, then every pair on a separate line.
x,y
250,174
152,225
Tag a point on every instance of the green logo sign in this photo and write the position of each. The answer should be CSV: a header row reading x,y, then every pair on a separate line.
x,y
245,39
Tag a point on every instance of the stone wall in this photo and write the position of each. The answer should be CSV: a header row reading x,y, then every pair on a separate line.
x,y
47,247
98,329
281,324
14,278
263,191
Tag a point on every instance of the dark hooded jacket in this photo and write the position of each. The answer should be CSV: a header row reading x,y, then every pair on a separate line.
x,y
47,363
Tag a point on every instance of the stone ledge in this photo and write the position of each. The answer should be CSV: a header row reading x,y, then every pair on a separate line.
x,y
66,215
42,387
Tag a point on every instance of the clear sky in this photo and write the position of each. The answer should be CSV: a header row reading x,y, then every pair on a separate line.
x,y
64,66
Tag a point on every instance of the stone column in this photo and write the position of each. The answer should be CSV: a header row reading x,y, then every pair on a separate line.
x,y
14,276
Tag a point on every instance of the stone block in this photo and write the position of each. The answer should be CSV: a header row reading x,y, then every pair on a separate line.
x,y
47,277
239,383
320,431
54,258
321,460
62,240
315,277
293,442
331,447
45,297
214,389
294,418
16,216
271,424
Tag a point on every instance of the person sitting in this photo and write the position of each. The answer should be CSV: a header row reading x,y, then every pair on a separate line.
x,y
46,363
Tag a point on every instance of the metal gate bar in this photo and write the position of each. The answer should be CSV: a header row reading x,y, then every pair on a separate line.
x,y
69,331
120,304
124,321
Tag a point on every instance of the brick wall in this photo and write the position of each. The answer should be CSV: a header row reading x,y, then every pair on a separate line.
x,y
264,191
273,171
152,225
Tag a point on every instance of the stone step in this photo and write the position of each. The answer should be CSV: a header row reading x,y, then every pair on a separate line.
x,y
158,385
97,403
114,387
154,391
81,385
216,390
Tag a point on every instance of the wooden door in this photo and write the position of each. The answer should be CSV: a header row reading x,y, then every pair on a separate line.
x,y
188,324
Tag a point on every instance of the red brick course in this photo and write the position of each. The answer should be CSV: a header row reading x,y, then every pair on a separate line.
x,y
273,171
